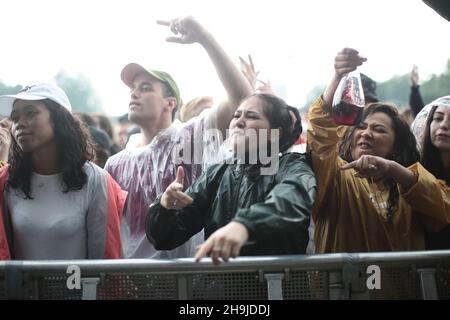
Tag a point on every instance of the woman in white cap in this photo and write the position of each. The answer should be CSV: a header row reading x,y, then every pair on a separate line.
x,y
56,204
432,130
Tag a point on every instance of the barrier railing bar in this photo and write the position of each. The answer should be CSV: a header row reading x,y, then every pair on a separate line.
x,y
89,287
274,286
14,281
182,287
335,285
428,283
275,263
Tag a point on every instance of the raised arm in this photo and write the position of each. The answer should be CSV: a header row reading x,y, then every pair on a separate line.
x,y
346,61
250,73
236,85
178,215
415,98
323,133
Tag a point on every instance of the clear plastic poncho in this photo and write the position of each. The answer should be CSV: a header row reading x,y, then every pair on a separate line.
x,y
418,127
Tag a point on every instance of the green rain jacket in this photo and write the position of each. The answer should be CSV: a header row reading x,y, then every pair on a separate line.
x,y
276,209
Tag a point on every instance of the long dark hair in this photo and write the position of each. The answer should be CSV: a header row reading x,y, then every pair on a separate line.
x,y
431,158
74,149
279,116
404,150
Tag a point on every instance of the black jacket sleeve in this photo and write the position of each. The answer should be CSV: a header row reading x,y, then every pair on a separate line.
x,y
415,100
168,229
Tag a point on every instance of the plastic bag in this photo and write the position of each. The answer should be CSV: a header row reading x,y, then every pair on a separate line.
x,y
348,101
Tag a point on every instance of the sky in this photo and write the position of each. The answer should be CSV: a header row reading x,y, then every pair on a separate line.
x,y
292,42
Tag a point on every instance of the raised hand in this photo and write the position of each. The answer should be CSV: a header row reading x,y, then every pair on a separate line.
x,y
347,61
266,87
174,198
224,243
414,77
188,30
248,69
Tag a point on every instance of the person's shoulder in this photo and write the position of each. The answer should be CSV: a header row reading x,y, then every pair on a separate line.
x,y
118,159
92,169
95,174
290,159
294,156
196,122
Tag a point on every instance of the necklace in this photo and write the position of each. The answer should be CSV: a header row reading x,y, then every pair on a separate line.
x,y
379,199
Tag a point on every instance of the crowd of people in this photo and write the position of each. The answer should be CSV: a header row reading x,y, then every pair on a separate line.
x,y
168,185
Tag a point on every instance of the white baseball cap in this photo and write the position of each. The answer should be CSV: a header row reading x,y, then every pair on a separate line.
x,y
38,91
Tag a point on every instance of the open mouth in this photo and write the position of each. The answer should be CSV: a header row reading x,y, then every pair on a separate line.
x,y
365,145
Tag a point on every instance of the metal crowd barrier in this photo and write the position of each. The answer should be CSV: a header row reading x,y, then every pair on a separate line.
x,y
393,275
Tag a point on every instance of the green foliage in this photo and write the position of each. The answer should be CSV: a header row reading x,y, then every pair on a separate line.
x,y
5,89
79,89
81,93
436,87
395,90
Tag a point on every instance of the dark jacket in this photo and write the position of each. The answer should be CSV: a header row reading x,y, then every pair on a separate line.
x,y
415,100
276,209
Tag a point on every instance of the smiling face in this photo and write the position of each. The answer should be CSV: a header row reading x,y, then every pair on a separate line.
x,y
375,136
440,129
246,122
32,127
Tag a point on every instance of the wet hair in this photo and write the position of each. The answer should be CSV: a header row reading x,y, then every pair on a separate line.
x,y
74,149
404,151
278,112
431,158
186,109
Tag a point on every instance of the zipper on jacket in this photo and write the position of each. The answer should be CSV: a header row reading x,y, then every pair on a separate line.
x,y
237,193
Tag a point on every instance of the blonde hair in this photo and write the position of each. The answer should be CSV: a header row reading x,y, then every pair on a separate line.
x,y
194,107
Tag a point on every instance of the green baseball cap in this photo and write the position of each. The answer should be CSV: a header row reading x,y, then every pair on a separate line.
x,y
131,70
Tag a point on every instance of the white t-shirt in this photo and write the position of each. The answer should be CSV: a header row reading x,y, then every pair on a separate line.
x,y
134,141
52,225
